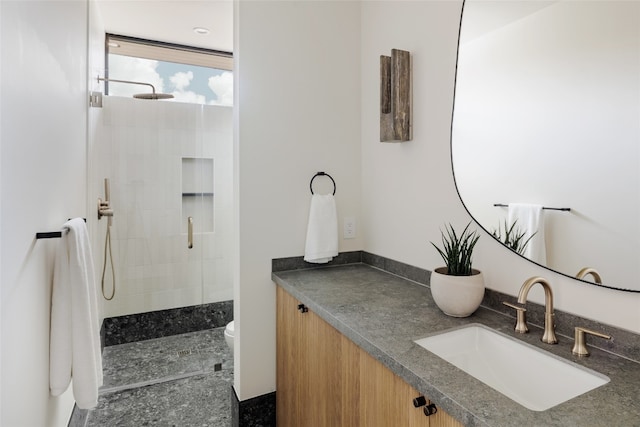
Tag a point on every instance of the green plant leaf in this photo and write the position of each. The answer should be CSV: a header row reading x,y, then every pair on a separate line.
x,y
457,250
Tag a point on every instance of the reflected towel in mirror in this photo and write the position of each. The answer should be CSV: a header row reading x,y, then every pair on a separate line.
x,y
530,219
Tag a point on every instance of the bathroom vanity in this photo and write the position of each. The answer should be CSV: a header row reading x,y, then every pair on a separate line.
x,y
322,378
346,356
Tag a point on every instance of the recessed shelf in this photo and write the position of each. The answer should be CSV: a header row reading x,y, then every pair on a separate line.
x,y
197,194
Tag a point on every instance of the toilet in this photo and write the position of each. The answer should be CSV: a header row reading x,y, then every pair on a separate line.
x,y
228,335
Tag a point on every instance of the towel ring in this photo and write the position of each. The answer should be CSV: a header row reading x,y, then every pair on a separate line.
x,y
322,174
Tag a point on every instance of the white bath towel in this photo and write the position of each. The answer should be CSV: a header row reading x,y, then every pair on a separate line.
x,y
322,231
74,348
530,219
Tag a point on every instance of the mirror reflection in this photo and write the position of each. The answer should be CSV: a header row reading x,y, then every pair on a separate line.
x,y
547,114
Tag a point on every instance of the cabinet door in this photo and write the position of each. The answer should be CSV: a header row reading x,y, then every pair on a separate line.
x,y
386,400
327,374
291,377
324,379
317,375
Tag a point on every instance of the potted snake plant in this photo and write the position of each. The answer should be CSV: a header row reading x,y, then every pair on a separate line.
x,y
457,288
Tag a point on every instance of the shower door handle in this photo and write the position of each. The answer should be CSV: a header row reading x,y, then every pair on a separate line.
x,y
190,232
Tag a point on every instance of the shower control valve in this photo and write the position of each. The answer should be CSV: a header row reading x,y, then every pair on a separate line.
x,y
104,209
104,206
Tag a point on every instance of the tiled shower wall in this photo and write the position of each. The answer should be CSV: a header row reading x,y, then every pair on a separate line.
x,y
147,142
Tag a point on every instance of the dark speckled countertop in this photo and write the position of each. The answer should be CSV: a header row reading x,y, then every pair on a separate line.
x,y
384,314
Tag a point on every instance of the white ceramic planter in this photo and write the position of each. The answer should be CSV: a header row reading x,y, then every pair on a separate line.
x,y
457,296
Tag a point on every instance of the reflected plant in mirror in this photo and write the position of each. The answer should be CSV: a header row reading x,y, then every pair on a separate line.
x,y
513,237
546,113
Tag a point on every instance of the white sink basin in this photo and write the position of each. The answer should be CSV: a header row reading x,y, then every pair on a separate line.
x,y
532,377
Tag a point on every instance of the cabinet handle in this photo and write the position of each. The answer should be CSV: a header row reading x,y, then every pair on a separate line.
x,y
419,401
430,409
302,308
190,232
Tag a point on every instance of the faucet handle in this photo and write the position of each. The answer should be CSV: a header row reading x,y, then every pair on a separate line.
x,y
521,317
580,345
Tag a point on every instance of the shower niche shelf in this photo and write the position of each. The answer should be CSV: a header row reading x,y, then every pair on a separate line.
x,y
197,194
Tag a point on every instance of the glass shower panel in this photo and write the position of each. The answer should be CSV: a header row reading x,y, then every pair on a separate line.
x,y
217,124
167,161
154,268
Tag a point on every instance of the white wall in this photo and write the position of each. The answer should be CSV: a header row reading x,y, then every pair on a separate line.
x,y
297,73
43,133
407,188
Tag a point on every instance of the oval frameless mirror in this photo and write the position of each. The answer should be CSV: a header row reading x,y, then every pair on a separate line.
x,y
547,108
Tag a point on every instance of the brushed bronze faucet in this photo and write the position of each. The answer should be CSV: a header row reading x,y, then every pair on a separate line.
x,y
588,270
549,335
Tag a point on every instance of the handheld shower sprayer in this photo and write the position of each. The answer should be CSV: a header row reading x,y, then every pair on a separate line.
x,y
104,209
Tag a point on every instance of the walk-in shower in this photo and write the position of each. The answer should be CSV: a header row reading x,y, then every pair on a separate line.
x,y
167,162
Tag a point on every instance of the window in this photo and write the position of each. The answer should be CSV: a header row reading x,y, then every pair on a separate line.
x,y
190,74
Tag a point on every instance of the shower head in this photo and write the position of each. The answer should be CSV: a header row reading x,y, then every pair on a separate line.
x,y
152,95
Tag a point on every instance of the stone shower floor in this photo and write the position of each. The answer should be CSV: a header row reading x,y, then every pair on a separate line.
x,y
181,380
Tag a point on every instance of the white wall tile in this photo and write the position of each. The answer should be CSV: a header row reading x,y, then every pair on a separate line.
x,y
147,165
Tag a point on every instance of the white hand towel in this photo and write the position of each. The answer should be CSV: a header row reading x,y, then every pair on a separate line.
x,y
322,230
74,352
530,220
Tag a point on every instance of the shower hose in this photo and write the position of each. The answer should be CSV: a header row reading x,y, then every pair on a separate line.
x,y
107,245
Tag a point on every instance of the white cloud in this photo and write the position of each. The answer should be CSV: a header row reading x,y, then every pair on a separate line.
x,y
133,69
188,96
222,86
181,80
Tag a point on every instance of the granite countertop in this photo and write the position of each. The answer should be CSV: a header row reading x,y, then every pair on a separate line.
x,y
383,314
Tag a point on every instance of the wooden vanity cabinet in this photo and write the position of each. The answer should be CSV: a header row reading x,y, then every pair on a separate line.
x,y
324,379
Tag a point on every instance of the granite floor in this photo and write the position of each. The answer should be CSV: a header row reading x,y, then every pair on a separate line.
x,y
181,380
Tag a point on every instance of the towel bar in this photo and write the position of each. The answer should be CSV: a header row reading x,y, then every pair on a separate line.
x,y
51,234
322,174
502,205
